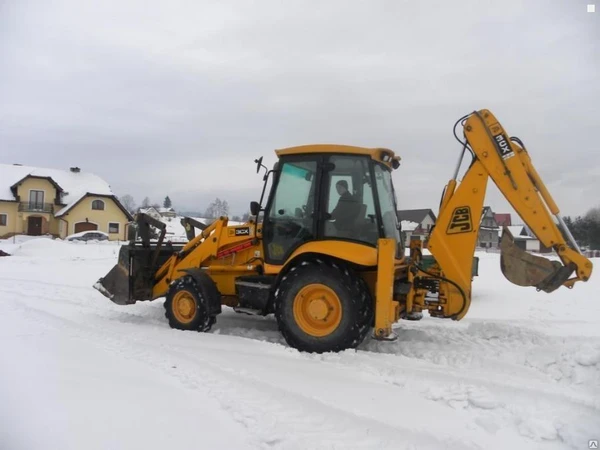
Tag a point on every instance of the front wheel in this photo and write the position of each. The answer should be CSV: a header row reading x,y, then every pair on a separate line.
x,y
186,307
321,306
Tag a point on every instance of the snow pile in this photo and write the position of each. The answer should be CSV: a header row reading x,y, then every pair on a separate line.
x,y
407,225
57,249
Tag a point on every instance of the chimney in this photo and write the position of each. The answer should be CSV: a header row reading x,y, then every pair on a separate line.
x,y
75,169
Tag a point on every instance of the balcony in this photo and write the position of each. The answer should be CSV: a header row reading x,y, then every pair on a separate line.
x,y
36,207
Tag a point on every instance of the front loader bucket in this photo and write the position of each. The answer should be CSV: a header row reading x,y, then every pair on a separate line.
x,y
132,279
116,285
524,269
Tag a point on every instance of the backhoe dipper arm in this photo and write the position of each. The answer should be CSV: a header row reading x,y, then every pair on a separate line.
x,y
453,239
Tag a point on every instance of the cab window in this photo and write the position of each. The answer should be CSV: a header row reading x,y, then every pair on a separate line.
x,y
291,213
349,199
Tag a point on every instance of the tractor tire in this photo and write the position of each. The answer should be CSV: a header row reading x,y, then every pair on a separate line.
x,y
322,306
186,306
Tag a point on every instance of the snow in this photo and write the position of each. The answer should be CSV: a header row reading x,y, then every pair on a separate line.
x,y
521,371
407,225
74,185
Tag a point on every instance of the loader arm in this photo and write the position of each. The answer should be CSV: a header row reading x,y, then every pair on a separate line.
x,y
454,237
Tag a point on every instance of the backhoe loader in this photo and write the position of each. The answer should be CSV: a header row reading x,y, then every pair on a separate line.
x,y
332,279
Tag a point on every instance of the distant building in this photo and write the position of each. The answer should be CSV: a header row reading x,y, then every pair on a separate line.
x,y
150,211
488,229
38,201
167,212
416,224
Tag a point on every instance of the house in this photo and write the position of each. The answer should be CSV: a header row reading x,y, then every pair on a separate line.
x,y
488,229
416,224
38,201
167,212
151,211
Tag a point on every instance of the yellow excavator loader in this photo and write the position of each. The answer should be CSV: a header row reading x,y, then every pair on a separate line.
x,y
325,253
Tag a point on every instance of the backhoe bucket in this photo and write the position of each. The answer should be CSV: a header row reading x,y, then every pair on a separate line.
x,y
524,269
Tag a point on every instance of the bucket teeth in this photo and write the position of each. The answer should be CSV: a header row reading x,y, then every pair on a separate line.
x,y
524,269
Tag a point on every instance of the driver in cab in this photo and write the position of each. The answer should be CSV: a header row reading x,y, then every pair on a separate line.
x,y
346,210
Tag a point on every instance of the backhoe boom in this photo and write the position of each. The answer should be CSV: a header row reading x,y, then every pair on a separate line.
x,y
453,240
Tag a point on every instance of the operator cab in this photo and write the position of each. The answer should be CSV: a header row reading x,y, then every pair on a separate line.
x,y
330,192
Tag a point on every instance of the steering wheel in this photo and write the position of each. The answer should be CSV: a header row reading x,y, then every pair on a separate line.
x,y
291,228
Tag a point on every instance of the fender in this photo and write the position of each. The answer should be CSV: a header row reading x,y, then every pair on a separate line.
x,y
208,288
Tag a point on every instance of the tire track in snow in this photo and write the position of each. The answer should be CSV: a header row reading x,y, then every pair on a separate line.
x,y
463,392
353,431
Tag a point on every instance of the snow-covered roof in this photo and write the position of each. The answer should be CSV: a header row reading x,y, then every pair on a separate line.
x,y
150,209
407,225
165,210
74,185
415,215
519,231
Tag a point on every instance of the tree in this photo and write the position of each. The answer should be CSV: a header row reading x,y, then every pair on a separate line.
x,y
586,229
128,203
216,209
592,218
167,203
146,203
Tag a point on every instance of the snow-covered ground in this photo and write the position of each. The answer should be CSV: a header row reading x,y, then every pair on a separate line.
x,y
521,371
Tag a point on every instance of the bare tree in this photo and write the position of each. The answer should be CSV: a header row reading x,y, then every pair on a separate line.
x,y
128,203
216,209
145,203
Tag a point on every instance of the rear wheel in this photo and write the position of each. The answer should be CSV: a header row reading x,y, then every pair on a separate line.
x,y
321,307
186,307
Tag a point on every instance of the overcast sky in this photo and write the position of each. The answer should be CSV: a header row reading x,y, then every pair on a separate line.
x,y
179,98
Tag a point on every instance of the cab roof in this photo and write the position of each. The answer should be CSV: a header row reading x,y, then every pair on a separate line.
x,y
382,155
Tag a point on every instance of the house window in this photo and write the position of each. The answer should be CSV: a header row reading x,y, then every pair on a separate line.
x,y
3,220
36,200
98,205
113,227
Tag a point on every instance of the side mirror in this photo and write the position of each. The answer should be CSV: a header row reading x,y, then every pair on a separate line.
x,y
254,208
258,163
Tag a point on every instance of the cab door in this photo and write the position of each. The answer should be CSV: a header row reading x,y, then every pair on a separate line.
x,y
291,214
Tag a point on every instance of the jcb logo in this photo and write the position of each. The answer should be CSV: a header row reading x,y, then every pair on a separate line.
x,y
242,231
461,221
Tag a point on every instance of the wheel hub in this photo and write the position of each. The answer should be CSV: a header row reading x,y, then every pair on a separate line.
x,y
317,310
184,307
